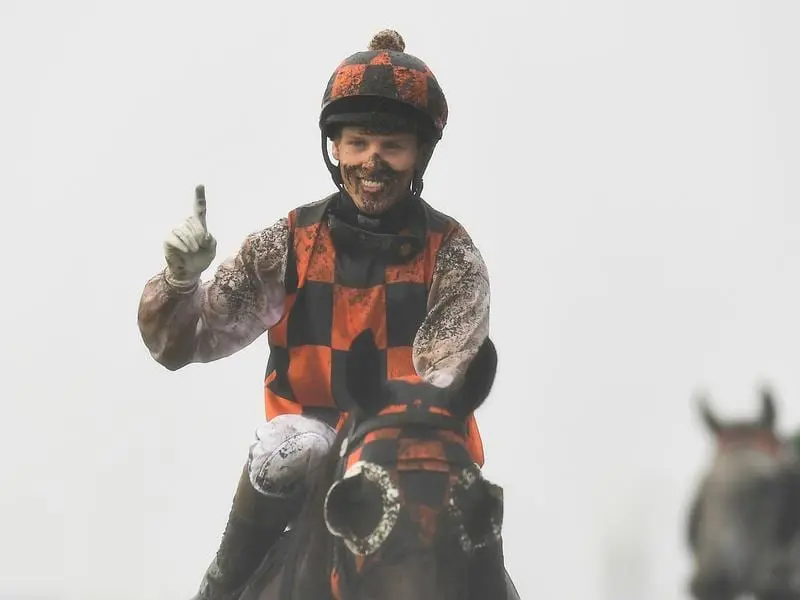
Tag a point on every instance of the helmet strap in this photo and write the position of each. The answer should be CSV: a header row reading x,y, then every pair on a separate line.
x,y
416,186
332,168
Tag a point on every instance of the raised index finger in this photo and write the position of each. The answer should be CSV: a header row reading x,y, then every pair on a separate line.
x,y
200,205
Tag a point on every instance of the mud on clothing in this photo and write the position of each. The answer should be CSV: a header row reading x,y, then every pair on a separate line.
x,y
299,280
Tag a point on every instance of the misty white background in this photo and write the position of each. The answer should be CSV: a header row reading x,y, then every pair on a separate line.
x,y
628,169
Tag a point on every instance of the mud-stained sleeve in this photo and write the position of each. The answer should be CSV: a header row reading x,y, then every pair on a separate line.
x,y
458,312
243,299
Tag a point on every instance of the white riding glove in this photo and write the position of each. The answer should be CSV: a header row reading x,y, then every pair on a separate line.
x,y
189,248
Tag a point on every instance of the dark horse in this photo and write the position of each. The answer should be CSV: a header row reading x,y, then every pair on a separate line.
x,y
745,518
398,510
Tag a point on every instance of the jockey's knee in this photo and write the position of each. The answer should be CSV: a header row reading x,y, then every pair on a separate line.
x,y
286,448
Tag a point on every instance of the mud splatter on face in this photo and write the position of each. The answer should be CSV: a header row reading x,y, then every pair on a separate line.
x,y
376,164
374,185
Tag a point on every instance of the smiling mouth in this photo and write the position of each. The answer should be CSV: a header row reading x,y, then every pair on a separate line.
x,y
371,185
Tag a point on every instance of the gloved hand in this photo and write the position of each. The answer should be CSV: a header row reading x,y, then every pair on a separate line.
x,y
189,248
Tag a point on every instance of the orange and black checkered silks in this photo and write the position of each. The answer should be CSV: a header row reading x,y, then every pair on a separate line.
x,y
331,297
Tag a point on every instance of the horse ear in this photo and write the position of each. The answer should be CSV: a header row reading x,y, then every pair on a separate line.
x,y
708,416
477,382
768,412
363,374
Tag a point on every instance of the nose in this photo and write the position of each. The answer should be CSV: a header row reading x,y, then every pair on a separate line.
x,y
713,585
372,161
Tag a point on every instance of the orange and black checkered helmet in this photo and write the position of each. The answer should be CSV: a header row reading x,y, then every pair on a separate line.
x,y
384,79
385,86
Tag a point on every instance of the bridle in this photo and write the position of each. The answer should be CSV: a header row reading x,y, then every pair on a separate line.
x,y
359,428
408,418
761,440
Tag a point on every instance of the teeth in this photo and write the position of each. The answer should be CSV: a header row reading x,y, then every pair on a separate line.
x,y
371,183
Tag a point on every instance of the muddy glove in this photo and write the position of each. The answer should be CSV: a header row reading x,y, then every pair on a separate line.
x,y
189,248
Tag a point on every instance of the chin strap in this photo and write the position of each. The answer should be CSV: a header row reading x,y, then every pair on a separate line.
x,y
332,168
416,186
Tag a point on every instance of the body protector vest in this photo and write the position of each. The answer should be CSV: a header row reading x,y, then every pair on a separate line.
x,y
341,279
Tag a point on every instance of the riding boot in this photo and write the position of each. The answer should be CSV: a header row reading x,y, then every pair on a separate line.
x,y
255,523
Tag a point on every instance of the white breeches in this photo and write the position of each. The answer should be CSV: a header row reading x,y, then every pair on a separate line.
x,y
285,450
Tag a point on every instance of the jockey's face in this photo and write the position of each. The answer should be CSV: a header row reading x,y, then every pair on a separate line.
x,y
377,169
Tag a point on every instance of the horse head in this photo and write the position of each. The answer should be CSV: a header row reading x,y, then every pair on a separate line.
x,y
408,508
734,515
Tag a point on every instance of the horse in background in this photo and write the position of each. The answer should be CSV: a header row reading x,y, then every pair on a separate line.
x,y
744,519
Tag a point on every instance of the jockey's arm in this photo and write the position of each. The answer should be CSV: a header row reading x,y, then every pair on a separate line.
x,y
457,322
243,299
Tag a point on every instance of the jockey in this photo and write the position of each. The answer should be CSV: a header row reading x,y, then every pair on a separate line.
x,y
373,254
